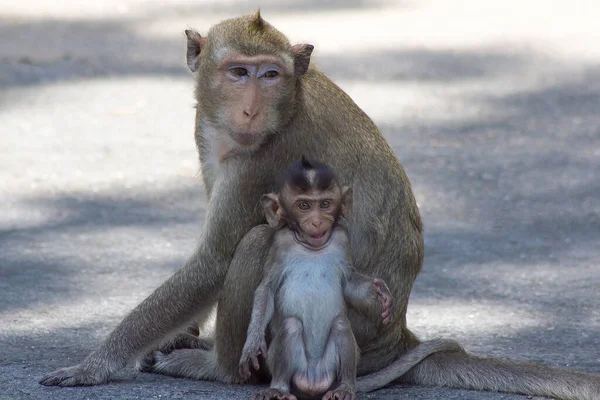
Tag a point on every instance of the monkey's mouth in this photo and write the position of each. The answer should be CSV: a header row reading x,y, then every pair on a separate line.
x,y
246,139
318,235
313,242
318,240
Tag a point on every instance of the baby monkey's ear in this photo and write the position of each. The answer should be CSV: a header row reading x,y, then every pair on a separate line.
x,y
346,202
273,211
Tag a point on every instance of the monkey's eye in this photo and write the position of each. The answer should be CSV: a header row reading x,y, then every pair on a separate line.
x,y
238,71
325,204
271,74
304,206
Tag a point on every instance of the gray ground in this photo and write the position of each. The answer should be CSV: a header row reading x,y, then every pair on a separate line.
x,y
493,109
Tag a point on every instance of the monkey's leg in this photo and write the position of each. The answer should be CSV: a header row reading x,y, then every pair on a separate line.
x,y
235,303
460,370
233,315
286,357
341,352
185,297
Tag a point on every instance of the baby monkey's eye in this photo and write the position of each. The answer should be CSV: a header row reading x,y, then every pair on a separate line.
x,y
304,206
238,71
325,204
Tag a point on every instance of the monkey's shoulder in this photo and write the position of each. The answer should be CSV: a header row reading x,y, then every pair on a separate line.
x,y
340,236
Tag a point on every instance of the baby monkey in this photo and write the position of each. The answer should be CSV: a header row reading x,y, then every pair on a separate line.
x,y
308,284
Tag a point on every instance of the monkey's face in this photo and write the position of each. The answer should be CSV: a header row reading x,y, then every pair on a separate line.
x,y
310,203
247,75
315,215
252,91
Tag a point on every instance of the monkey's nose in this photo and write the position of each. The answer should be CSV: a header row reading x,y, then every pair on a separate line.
x,y
317,224
250,112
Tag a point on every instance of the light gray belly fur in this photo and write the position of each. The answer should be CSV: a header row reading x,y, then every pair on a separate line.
x,y
312,292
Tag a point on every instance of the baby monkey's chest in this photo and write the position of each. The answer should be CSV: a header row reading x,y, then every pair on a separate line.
x,y
312,283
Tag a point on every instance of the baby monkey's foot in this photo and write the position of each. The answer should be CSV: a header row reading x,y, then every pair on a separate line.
x,y
339,394
274,394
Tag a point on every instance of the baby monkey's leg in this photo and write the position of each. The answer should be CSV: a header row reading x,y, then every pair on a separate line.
x,y
286,357
342,352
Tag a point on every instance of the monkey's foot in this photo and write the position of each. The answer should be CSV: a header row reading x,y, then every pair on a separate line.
x,y
339,394
184,340
180,341
273,394
74,376
146,363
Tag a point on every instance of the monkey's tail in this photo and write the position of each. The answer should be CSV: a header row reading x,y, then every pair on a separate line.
x,y
404,363
460,370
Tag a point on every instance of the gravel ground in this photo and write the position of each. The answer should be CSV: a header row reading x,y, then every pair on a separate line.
x,y
493,108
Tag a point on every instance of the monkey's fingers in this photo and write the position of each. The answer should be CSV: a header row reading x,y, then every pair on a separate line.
x,y
382,291
244,368
241,372
386,315
255,363
387,300
263,349
385,318
339,394
77,375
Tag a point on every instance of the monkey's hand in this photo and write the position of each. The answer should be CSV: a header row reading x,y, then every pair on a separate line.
x,y
255,346
76,375
387,301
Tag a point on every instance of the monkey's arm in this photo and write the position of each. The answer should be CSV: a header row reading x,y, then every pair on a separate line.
x,y
369,296
186,296
263,308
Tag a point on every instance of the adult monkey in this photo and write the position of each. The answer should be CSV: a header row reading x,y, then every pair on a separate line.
x,y
259,108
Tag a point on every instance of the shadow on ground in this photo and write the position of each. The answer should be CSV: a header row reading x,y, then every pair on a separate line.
x,y
111,47
50,261
61,50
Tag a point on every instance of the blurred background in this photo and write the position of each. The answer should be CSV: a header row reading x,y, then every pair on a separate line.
x,y
493,107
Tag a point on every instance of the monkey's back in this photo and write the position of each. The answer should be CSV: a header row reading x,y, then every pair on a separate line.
x,y
311,289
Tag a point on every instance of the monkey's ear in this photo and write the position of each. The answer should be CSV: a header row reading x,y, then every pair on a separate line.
x,y
195,44
346,201
302,54
270,203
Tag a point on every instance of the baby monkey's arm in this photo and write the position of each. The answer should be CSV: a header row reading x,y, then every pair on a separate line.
x,y
369,296
262,312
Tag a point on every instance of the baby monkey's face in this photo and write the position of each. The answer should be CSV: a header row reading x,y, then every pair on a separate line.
x,y
315,214
310,203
